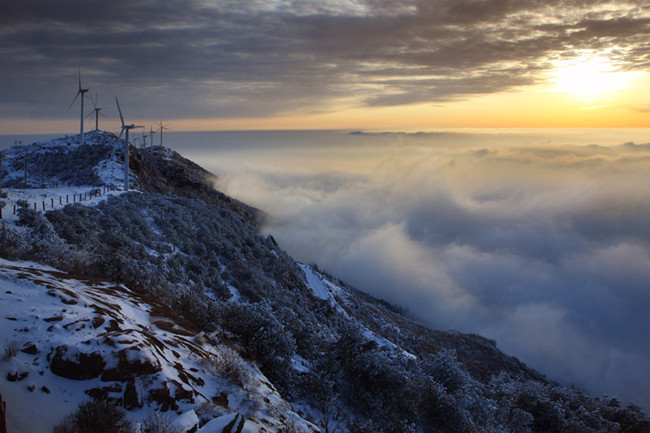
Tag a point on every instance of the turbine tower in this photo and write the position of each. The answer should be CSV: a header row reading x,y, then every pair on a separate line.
x,y
151,133
162,128
96,110
81,92
126,128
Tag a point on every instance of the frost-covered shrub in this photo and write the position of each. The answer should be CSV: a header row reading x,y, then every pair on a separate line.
x,y
35,238
14,241
539,407
262,337
10,350
197,307
96,416
290,426
159,423
446,370
382,383
72,166
229,364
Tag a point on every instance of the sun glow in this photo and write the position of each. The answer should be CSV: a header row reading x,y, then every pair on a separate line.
x,y
590,76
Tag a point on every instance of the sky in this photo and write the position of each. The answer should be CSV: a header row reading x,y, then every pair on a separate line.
x,y
537,239
305,64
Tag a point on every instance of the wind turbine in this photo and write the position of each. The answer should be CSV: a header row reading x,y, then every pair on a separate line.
x,y
81,92
96,110
151,133
162,128
126,128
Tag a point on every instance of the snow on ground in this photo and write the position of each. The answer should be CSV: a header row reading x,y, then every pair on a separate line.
x,y
45,199
47,314
109,171
325,289
321,287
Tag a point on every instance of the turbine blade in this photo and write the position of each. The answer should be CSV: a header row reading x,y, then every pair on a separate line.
x,y
79,78
120,110
74,100
90,114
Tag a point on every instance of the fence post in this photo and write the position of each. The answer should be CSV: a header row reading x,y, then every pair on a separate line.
x,y
66,198
34,205
43,204
52,202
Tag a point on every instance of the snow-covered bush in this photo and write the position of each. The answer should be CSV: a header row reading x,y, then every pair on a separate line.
x,y
159,423
262,336
229,364
446,370
61,164
10,350
96,416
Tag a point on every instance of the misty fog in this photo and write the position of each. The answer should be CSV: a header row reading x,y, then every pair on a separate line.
x,y
537,239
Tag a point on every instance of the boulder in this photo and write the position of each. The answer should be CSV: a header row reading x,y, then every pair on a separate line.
x,y
70,363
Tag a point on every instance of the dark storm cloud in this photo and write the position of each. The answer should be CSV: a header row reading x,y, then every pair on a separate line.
x,y
226,58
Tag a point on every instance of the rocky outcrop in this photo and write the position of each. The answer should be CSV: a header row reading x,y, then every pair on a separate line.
x,y
72,364
129,366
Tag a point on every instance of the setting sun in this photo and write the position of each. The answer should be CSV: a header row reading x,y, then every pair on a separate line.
x,y
590,76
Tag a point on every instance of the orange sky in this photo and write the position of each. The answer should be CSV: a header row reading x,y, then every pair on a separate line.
x,y
332,64
546,105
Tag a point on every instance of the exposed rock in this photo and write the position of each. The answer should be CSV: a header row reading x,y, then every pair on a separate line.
x,y
221,399
17,377
103,392
130,366
72,364
163,397
29,348
236,425
131,398
97,321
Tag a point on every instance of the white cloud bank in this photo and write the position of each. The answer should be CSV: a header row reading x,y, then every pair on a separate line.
x,y
541,242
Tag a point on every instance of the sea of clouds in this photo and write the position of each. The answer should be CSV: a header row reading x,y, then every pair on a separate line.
x,y
539,240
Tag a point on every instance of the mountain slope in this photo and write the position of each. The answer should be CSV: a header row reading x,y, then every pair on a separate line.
x,y
78,338
337,359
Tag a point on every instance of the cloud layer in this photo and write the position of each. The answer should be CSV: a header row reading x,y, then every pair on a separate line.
x,y
543,247
225,58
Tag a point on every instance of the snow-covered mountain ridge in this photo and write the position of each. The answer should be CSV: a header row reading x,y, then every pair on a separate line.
x,y
76,339
167,300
